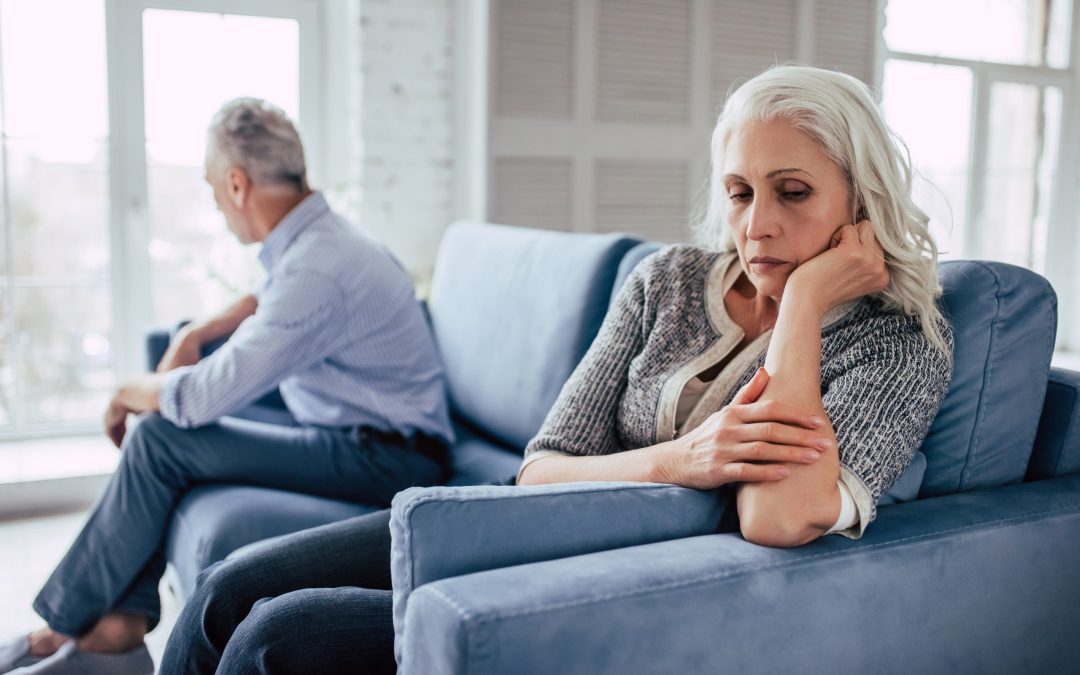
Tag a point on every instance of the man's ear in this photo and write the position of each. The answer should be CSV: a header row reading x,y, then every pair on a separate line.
x,y
237,185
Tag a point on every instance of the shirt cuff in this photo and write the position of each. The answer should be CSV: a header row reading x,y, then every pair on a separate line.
x,y
532,457
169,394
849,515
865,504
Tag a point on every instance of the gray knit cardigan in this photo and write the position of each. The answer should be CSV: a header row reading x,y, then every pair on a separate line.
x,y
881,379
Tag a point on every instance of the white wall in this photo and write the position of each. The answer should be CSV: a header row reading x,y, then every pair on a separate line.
x,y
400,169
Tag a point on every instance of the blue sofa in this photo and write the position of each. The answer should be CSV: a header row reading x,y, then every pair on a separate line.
x,y
967,568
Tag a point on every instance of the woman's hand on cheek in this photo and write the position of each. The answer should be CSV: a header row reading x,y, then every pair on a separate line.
x,y
747,441
852,267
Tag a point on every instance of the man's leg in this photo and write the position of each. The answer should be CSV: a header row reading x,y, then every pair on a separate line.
x,y
160,462
318,630
354,552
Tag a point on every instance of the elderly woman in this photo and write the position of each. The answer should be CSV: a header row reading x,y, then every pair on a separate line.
x,y
802,362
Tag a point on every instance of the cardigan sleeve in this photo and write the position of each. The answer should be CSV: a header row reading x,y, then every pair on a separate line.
x,y
583,419
881,394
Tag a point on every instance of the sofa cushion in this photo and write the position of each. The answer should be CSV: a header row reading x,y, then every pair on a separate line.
x,y
212,521
477,459
1004,320
514,310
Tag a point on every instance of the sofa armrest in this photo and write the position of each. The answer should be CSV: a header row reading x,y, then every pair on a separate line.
x,y
1057,444
442,532
980,582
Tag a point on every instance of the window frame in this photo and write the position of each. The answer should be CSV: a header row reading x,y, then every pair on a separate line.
x,y
1061,236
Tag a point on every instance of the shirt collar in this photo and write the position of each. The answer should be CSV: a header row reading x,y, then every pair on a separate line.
x,y
312,208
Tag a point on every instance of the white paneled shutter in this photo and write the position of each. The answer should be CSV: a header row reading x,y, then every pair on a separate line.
x,y
601,110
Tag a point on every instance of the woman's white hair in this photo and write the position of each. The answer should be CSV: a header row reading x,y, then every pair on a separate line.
x,y
840,114
260,138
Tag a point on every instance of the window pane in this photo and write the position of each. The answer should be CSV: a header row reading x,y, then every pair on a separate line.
x,y
184,87
1022,149
1032,32
198,264
58,191
54,351
64,361
54,68
938,137
7,369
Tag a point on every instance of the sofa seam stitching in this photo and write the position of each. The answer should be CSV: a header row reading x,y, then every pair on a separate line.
x,y
988,369
465,616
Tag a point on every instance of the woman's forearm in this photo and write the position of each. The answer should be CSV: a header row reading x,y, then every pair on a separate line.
x,y
805,505
642,465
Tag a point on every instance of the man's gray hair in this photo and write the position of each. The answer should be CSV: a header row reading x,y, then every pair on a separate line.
x,y
260,138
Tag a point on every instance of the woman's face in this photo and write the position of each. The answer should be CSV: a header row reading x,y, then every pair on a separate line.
x,y
784,200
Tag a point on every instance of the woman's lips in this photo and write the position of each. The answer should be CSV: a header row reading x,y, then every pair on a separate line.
x,y
765,264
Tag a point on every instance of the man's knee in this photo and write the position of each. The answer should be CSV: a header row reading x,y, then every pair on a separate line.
x,y
151,440
151,430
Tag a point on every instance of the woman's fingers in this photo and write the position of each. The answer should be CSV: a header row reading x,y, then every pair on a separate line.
x,y
783,435
777,411
760,452
753,389
754,473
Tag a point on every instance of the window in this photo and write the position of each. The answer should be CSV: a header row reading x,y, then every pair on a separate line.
x,y
980,92
56,365
107,227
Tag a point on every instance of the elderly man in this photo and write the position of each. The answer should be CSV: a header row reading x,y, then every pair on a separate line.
x,y
335,326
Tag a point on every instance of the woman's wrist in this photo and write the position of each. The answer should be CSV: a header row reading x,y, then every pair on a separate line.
x,y
663,462
804,297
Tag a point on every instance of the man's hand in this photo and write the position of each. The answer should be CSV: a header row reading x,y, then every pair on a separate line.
x,y
136,396
184,350
116,421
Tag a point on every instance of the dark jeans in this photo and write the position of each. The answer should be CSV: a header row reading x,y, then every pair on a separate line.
x,y
316,601
116,561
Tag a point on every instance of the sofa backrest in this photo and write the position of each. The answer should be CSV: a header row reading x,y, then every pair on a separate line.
x,y
1004,321
513,311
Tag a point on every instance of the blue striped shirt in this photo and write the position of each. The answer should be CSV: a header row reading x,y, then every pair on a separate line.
x,y
338,329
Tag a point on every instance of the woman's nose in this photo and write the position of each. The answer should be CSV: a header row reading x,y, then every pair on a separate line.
x,y
761,220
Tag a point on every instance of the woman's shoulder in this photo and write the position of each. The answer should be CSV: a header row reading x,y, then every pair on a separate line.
x,y
677,262
871,328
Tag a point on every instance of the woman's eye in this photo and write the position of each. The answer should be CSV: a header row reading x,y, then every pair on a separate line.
x,y
739,196
793,190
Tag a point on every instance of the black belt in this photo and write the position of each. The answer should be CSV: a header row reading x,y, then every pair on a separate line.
x,y
431,447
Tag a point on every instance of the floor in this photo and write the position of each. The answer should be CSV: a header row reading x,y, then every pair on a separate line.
x,y
29,550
